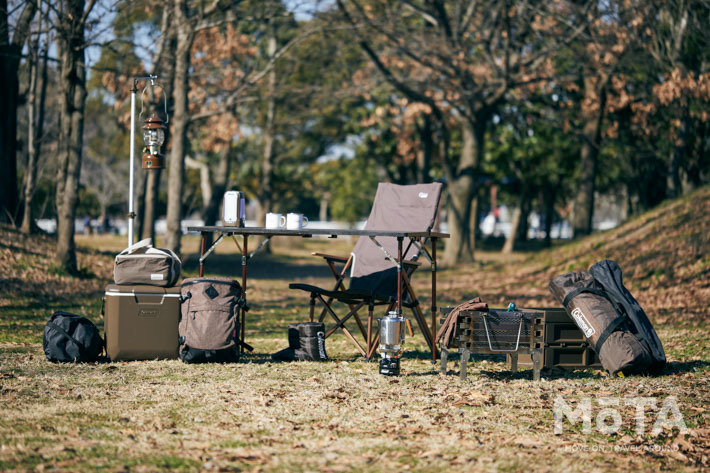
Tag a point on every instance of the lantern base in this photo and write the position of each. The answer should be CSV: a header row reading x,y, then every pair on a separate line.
x,y
153,161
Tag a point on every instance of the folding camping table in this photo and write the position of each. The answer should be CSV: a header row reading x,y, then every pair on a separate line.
x,y
417,238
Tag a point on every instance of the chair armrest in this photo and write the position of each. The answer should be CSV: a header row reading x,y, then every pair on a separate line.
x,y
337,259
412,263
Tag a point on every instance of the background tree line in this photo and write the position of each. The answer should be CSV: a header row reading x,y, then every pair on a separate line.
x,y
307,105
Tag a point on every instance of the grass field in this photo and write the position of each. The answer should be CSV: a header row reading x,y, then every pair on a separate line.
x,y
341,415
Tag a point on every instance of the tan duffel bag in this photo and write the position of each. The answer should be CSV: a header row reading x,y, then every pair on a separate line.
x,y
143,264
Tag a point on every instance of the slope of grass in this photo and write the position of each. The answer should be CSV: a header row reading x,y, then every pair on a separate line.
x,y
341,415
663,253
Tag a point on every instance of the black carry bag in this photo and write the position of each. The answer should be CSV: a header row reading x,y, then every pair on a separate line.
x,y
209,320
306,342
71,338
611,319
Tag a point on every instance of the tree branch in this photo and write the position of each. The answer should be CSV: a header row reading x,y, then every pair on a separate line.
x,y
87,12
22,30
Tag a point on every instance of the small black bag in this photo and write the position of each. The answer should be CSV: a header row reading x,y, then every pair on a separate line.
x,y
70,338
306,342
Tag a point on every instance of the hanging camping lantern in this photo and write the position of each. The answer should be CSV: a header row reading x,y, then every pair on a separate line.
x,y
154,137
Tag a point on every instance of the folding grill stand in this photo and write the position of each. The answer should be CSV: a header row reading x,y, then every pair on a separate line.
x,y
464,341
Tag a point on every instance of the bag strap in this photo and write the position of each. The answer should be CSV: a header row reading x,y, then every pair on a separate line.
x,y
614,323
145,243
608,331
591,290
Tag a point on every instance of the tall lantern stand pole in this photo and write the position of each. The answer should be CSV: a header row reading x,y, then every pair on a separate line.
x,y
131,213
152,164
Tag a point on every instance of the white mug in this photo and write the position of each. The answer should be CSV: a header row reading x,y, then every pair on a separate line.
x,y
296,221
274,220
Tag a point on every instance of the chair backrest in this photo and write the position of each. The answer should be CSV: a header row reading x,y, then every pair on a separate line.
x,y
410,208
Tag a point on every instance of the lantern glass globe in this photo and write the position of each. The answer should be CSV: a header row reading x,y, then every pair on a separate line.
x,y
154,137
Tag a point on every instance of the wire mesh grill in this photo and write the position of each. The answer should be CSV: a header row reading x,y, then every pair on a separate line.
x,y
501,331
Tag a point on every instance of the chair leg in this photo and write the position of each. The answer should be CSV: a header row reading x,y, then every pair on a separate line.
x,y
409,328
340,323
370,310
313,305
360,325
374,345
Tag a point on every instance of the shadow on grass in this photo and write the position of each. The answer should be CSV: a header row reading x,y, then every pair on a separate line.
x,y
676,367
262,266
20,250
527,373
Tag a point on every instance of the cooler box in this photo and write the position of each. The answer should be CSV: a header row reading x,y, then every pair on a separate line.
x,y
141,322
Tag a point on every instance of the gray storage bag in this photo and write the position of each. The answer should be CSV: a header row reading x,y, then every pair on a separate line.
x,y
143,264
611,319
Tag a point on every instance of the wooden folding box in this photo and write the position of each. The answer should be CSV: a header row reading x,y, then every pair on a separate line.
x,y
563,344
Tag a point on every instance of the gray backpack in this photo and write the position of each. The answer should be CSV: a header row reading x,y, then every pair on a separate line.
x,y
209,324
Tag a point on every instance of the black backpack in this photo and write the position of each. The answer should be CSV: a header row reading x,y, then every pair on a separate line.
x,y
71,338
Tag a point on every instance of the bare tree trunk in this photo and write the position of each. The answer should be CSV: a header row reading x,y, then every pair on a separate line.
x,y
519,214
36,115
205,177
140,198
424,156
219,180
30,168
10,55
523,227
593,106
176,167
151,198
163,67
675,185
267,159
549,196
266,197
462,191
510,239
323,210
73,95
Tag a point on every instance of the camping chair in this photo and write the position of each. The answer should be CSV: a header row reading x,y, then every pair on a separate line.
x,y
373,278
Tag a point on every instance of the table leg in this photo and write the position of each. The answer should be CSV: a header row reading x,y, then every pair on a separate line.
x,y
465,356
537,361
444,360
433,299
399,276
203,247
245,257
